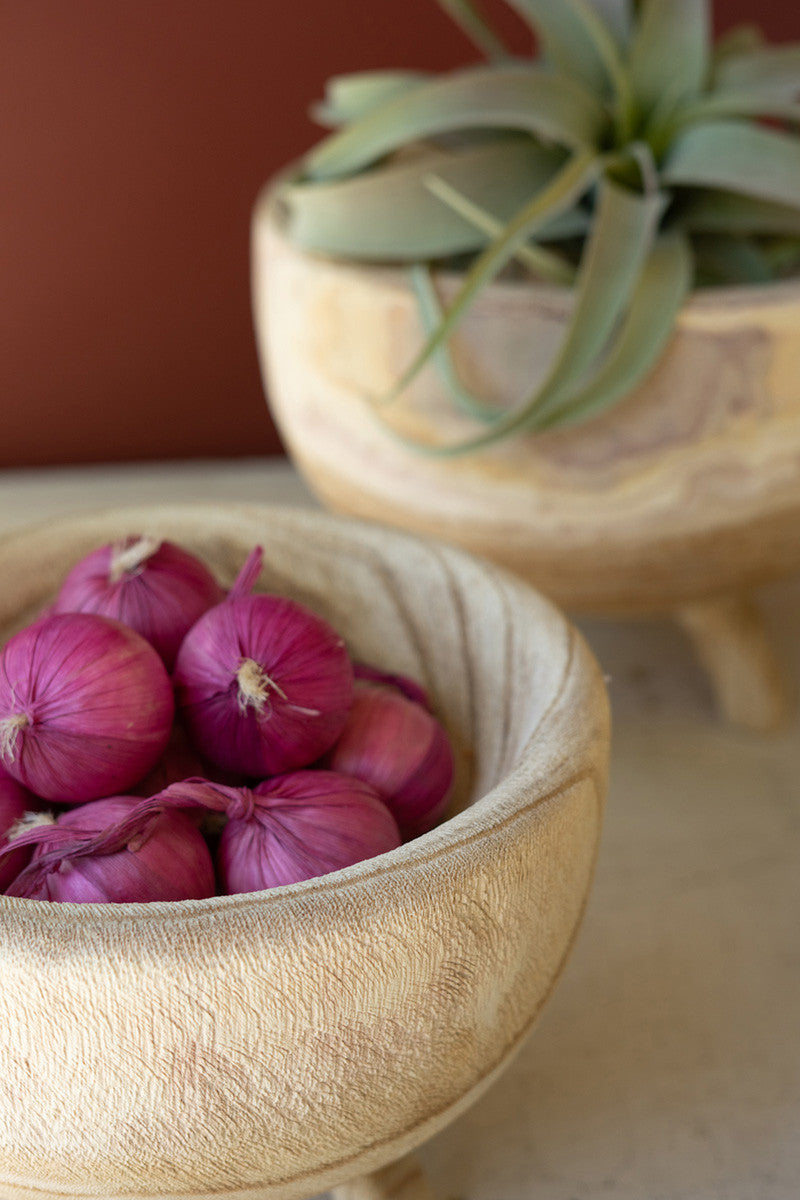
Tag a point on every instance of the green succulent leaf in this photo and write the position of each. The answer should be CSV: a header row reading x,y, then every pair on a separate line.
x,y
559,196
575,37
554,269
670,53
723,212
783,255
767,101
738,157
772,68
391,213
350,97
741,39
547,265
475,26
631,115
660,292
615,255
618,16
430,313
520,98
764,82
623,234
724,260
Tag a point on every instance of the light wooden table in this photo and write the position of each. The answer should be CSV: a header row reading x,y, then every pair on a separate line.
x,y
667,1064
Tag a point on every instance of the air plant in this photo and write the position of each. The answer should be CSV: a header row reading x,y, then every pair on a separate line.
x,y
632,160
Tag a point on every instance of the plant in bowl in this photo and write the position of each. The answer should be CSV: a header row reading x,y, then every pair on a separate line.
x,y
549,308
270,1045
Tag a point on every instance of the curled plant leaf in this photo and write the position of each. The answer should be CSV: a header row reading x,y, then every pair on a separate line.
x,y
723,260
623,233
775,67
671,50
618,15
738,157
732,102
560,195
542,263
350,97
430,313
660,291
783,256
630,109
475,26
520,98
392,214
575,38
712,211
741,39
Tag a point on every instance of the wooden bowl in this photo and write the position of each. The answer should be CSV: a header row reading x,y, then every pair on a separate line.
x,y
271,1045
679,500
688,489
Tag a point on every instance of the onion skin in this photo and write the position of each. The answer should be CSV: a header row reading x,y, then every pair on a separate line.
x,y
15,801
167,859
296,826
404,684
303,824
297,660
400,749
160,593
86,707
179,761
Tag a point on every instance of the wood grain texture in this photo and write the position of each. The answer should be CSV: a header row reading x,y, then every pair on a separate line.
x,y
688,489
268,1046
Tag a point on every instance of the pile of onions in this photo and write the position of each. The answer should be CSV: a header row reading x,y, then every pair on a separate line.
x,y
196,742
87,855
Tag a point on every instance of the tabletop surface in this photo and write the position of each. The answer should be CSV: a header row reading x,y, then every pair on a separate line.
x,y
667,1064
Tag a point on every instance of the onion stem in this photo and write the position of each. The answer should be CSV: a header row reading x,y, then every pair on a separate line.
x,y
254,686
8,734
127,559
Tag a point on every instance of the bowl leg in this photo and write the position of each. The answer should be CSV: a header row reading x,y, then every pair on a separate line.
x,y
732,644
401,1180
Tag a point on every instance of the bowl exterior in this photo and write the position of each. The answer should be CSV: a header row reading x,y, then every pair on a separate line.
x,y
688,488
269,1046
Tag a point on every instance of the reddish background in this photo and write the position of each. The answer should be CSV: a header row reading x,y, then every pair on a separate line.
x,y
134,139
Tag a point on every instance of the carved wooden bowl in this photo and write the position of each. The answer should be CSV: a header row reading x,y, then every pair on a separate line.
x,y
688,488
271,1045
677,500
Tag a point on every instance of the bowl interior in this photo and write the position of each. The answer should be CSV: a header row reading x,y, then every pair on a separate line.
x,y
399,602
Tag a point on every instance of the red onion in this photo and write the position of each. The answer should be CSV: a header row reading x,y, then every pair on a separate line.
x,y
402,683
179,761
263,684
402,750
15,801
156,587
295,826
94,854
85,707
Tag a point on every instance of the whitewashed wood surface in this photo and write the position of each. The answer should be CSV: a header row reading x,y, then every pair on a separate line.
x,y
667,1064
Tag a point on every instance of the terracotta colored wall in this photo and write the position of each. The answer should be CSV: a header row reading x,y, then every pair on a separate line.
x,y
135,136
